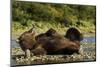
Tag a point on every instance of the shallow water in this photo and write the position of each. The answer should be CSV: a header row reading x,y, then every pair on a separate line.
x,y
89,39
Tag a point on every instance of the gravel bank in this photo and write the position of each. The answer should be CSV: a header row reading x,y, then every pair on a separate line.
x,y
88,54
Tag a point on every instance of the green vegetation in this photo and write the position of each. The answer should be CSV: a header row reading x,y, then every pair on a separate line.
x,y
57,16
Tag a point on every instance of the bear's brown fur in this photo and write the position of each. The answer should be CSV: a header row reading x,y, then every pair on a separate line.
x,y
27,40
51,42
54,43
73,34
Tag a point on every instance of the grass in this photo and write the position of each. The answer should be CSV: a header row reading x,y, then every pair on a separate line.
x,y
42,27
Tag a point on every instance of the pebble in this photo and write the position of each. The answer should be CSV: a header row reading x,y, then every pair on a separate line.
x,y
52,58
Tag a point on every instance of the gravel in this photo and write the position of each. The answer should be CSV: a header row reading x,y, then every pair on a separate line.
x,y
88,54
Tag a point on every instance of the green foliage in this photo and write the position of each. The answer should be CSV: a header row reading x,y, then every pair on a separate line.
x,y
58,16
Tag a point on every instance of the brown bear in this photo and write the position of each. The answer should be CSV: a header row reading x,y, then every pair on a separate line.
x,y
53,43
26,41
50,43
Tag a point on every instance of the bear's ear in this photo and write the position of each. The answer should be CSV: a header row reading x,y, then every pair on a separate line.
x,y
32,31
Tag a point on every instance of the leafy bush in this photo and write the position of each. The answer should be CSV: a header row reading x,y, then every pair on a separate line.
x,y
57,16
